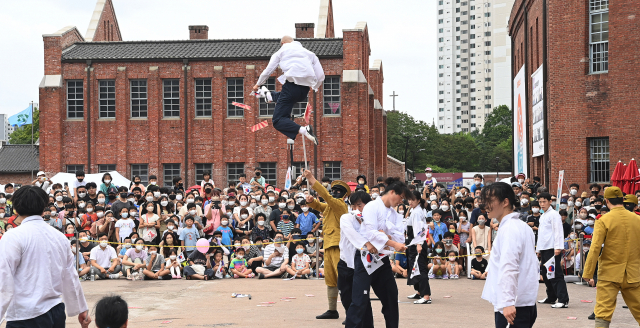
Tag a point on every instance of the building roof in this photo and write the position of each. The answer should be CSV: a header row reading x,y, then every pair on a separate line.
x,y
193,49
19,158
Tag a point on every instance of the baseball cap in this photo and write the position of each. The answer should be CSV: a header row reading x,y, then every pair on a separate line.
x,y
613,192
516,184
630,198
428,169
112,190
40,173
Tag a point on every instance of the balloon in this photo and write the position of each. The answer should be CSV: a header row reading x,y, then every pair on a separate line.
x,y
202,245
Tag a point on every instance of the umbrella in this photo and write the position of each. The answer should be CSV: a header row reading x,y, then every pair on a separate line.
x,y
352,185
195,187
616,176
630,177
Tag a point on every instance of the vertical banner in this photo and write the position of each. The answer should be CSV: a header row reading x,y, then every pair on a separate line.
x,y
537,108
520,124
559,192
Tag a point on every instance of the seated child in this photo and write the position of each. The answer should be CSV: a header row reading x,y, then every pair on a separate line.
x,y
299,263
400,265
155,268
238,265
437,267
199,265
453,268
479,265
173,264
219,270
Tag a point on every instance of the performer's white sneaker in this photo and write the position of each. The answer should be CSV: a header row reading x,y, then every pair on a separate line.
x,y
560,305
266,94
310,134
414,297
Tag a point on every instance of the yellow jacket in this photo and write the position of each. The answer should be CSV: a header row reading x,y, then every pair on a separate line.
x,y
332,210
619,231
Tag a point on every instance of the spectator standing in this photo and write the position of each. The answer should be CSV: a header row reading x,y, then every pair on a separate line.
x,y
106,184
481,235
550,245
38,300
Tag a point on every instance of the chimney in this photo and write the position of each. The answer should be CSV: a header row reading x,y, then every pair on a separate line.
x,y
304,30
198,32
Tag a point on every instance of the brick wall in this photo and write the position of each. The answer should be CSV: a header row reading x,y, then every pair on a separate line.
x,y
395,169
581,105
21,178
305,30
108,28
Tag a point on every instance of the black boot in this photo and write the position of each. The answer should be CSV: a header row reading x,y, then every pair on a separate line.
x,y
592,316
329,315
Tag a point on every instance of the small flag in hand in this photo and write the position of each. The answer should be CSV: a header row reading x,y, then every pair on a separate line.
x,y
241,105
307,113
259,126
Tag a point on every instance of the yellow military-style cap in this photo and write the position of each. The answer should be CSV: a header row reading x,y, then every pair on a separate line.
x,y
613,192
342,184
630,198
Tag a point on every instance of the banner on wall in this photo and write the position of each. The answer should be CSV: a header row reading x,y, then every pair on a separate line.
x,y
538,110
520,123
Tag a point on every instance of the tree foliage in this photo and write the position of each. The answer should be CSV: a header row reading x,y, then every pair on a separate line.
x,y
22,135
458,152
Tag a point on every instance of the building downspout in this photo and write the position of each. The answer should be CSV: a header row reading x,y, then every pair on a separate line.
x,y
527,101
513,104
186,123
545,99
88,117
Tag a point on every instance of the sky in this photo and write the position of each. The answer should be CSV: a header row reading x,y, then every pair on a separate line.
x,y
403,35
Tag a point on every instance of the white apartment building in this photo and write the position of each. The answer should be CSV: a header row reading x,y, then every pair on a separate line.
x,y
474,62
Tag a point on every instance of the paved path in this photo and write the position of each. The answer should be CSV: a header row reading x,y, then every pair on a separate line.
x,y
209,304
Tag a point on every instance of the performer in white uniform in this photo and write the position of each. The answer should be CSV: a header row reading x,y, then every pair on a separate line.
x,y
350,241
382,227
417,236
512,282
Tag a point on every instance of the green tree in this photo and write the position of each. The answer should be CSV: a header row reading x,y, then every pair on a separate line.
x,y
22,135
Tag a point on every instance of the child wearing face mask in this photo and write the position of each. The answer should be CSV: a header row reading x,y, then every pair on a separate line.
x,y
299,263
479,265
260,231
124,226
453,268
285,225
437,228
173,265
306,221
226,231
134,258
189,236
534,219
437,267
239,265
155,268
149,223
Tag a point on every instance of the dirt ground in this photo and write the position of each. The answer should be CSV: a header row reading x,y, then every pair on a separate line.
x,y
181,303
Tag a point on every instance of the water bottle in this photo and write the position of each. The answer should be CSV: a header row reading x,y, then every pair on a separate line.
x,y
93,277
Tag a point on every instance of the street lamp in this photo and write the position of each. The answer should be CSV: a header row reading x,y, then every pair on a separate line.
x,y
413,165
497,169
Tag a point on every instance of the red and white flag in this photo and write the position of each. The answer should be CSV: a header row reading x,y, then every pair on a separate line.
x,y
307,113
259,126
241,105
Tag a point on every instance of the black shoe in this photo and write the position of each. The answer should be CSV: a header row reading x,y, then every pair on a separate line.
x,y
592,316
310,135
625,306
260,276
329,315
415,296
344,322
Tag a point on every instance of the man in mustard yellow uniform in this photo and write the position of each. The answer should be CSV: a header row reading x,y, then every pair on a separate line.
x,y
332,209
619,263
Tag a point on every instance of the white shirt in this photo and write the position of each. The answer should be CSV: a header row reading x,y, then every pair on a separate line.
x,y
350,239
418,221
550,231
513,266
37,267
298,65
126,228
376,216
104,256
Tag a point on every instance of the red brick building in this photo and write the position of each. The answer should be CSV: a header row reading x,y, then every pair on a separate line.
x,y
164,107
590,55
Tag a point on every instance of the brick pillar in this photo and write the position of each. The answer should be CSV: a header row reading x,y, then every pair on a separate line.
x,y
219,108
305,30
154,89
122,117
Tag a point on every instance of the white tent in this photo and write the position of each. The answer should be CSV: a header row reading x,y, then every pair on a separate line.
x,y
70,178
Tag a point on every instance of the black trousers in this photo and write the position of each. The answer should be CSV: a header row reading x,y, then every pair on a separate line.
x,y
556,287
345,286
54,318
525,318
254,265
285,100
420,283
383,284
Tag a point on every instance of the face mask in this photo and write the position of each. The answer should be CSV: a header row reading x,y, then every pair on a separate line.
x,y
100,214
239,257
2,215
477,182
478,254
310,240
264,202
272,199
73,249
253,205
481,222
291,207
463,218
104,244
553,204
428,175
149,199
583,215
451,258
278,240
260,223
285,217
179,197
170,228
375,195
133,214
139,247
131,200
101,200
452,230
81,205
229,214
299,200
164,203
572,236
400,212
578,204
459,194
299,250
107,181
597,207
569,204
433,197
444,207
535,210
578,226
127,245
243,203
591,222
172,257
282,205
524,201
58,198
244,216
190,200
433,207
574,192
192,212
438,250
521,181
156,194
224,222
285,196
563,206
153,252
124,215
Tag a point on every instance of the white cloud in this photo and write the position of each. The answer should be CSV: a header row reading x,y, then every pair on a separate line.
x,y
402,34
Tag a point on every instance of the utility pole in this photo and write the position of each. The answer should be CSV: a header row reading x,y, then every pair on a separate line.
x,y
394,95
497,169
32,147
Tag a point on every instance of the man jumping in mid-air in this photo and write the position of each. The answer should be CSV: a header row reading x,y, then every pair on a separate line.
x,y
301,70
